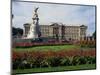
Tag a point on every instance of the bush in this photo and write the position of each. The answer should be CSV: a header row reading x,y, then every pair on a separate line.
x,y
15,64
82,60
91,59
65,61
54,61
75,60
46,63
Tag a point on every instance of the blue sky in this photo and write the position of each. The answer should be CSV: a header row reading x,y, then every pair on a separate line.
x,y
49,13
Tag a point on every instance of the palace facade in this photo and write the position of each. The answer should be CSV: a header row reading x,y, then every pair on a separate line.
x,y
60,31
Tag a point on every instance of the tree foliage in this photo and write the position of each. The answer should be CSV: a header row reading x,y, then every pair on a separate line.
x,y
94,35
17,31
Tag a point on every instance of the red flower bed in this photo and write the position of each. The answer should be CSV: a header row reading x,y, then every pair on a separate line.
x,y
27,44
30,44
62,53
50,58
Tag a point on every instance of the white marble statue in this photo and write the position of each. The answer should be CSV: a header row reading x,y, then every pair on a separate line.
x,y
34,31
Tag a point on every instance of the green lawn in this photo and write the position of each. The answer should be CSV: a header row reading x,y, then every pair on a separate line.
x,y
45,48
52,69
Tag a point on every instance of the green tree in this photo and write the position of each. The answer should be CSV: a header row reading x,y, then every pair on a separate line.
x,y
94,35
17,31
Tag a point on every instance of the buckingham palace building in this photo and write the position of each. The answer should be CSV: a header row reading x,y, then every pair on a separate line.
x,y
60,31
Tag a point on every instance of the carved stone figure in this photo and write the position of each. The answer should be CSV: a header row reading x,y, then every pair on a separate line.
x,y
34,31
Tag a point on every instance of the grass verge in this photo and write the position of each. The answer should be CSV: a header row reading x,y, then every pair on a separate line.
x,y
55,69
46,48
